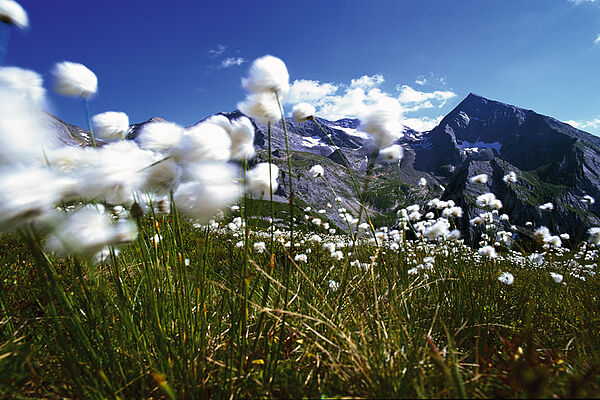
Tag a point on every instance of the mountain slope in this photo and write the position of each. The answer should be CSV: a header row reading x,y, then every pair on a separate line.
x,y
553,161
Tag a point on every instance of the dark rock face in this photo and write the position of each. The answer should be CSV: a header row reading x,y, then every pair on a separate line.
x,y
554,162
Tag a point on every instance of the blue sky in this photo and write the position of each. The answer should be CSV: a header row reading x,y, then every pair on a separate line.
x,y
183,59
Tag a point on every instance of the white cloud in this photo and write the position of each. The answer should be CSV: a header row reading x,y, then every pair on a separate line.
x,y
367,82
414,100
231,61
597,40
214,53
421,81
583,125
308,91
337,101
422,124
581,1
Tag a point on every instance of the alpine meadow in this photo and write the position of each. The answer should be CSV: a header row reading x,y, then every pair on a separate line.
x,y
303,242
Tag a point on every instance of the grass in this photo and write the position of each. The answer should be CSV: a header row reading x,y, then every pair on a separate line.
x,y
150,324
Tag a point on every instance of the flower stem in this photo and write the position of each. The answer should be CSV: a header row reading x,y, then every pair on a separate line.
x,y
4,39
89,120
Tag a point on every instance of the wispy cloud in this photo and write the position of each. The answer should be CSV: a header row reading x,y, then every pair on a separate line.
x,y
421,80
576,2
597,40
584,125
231,61
214,53
336,101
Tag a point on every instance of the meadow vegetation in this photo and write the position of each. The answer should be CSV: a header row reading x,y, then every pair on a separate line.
x,y
162,267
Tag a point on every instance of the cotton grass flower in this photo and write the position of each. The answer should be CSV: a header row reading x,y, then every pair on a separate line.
x,y
111,125
268,74
511,177
159,136
11,13
24,133
487,251
29,193
242,139
481,178
303,112
558,278
259,182
383,122
316,171
262,107
392,153
115,172
546,207
87,231
594,235
485,200
203,142
422,182
212,187
589,200
25,83
73,79
507,278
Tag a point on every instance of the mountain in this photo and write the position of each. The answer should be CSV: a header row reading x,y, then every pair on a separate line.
x,y
554,162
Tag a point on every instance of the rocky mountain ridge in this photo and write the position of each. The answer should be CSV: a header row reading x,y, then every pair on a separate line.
x,y
554,162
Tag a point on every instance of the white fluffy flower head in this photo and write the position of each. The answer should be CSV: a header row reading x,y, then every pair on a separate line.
x,y
111,125
392,153
316,171
261,106
73,79
383,122
203,142
212,187
268,74
303,112
88,230
27,84
511,177
261,179
159,136
481,178
12,13
507,278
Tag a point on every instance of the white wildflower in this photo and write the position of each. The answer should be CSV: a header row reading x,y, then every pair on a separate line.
x,y
260,247
316,171
392,153
73,79
511,177
87,231
212,188
383,122
261,106
25,83
301,257
507,278
303,112
159,136
12,13
111,125
481,178
588,199
487,251
258,181
203,142
557,277
268,74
